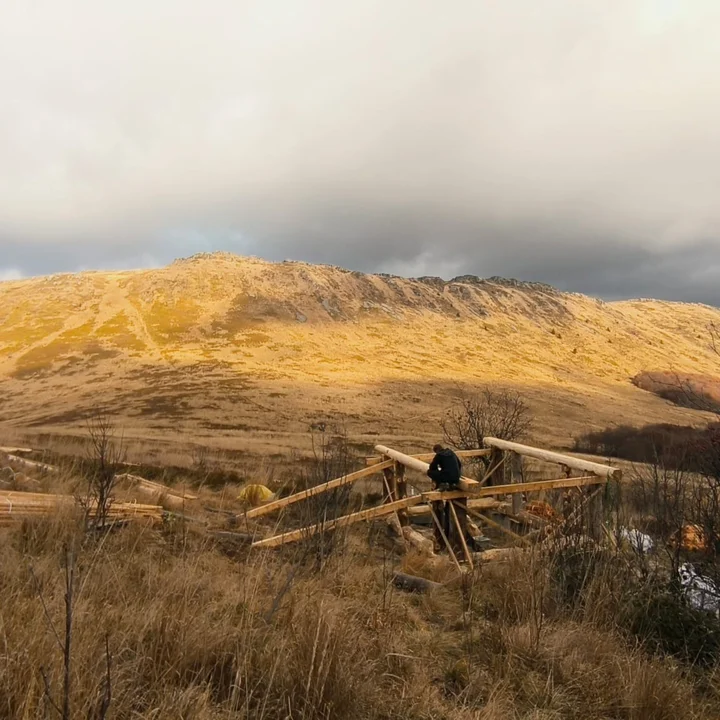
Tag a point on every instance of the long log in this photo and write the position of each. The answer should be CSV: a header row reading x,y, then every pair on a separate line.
x,y
310,530
412,583
476,504
538,485
482,452
32,464
605,471
419,465
311,492
513,488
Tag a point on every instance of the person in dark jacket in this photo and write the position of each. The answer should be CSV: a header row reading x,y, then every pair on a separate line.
x,y
445,468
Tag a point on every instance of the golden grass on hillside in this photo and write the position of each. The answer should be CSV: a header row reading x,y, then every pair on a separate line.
x,y
227,336
197,634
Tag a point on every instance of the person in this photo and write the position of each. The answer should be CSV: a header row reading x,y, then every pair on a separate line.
x,y
445,468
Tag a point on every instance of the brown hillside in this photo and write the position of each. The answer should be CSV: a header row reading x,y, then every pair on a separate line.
x,y
242,352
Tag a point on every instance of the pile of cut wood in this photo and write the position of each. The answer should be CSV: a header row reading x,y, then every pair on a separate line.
x,y
20,505
157,492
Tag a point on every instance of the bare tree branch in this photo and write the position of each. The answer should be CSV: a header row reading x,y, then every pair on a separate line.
x,y
107,687
69,587
47,693
50,623
107,452
490,413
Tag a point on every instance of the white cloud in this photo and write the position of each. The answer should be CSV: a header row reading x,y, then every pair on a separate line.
x,y
10,274
385,133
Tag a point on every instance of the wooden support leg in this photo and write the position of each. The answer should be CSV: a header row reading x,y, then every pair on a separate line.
x,y
494,474
516,472
457,512
444,537
447,520
595,512
461,534
401,486
484,519
390,484
437,510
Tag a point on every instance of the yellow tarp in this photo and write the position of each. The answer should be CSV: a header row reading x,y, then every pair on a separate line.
x,y
255,495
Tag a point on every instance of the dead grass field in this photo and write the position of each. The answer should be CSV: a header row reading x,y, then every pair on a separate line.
x,y
201,632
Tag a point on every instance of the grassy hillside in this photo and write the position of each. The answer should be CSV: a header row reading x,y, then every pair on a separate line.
x,y
227,347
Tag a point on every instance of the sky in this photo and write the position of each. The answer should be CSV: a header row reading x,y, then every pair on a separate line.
x,y
573,142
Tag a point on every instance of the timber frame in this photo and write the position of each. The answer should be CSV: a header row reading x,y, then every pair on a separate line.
x,y
492,494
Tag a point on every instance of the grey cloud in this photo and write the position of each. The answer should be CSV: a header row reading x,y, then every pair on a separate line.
x,y
572,143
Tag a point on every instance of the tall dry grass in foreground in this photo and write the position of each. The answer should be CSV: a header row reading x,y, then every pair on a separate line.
x,y
195,632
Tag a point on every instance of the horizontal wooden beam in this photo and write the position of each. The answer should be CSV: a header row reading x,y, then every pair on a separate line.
x,y
419,465
476,504
538,485
513,488
311,492
482,452
310,530
414,500
605,471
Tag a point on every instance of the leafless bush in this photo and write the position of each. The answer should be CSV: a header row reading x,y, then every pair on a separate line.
x,y
490,413
200,456
331,460
106,451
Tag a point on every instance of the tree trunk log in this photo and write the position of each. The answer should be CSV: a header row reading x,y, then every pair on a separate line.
x,y
412,583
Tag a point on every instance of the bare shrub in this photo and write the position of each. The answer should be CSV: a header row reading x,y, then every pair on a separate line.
x,y
490,413
331,459
200,458
106,451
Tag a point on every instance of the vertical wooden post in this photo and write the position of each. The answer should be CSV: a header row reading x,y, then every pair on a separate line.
x,y
461,526
437,509
495,467
390,484
458,509
401,491
595,512
516,472
400,480
444,537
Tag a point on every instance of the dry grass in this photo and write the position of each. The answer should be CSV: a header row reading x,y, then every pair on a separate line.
x,y
195,632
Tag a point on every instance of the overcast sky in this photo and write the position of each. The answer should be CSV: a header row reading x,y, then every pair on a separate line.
x,y
574,142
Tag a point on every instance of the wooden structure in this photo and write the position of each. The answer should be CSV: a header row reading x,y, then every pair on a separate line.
x,y
501,490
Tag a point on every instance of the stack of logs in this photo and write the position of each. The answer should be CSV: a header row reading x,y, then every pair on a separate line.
x,y
20,505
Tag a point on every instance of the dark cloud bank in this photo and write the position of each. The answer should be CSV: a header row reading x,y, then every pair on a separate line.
x,y
571,143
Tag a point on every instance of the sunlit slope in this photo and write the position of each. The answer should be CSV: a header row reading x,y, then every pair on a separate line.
x,y
220,319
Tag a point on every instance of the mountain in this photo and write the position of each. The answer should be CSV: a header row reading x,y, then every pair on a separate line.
x,y
241,352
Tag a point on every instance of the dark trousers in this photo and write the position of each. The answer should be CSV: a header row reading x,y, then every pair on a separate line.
x,y
441,478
